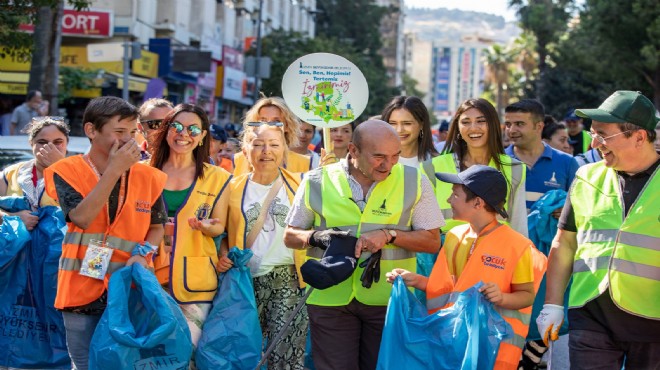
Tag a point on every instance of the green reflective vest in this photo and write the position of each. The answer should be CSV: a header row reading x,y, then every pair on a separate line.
x,y
616,252
389,206
513,171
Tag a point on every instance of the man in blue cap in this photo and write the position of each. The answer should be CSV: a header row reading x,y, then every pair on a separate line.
x,y
608,243
578,137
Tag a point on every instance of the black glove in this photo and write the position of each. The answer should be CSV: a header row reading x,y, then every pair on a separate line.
x,y
321,239
371,271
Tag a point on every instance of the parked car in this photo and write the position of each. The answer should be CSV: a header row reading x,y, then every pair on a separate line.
x,y
15,149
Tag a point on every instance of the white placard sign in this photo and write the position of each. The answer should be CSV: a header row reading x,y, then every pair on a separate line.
x,y
325,90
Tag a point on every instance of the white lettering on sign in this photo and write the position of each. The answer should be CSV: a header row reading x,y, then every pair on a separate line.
x,y
79,21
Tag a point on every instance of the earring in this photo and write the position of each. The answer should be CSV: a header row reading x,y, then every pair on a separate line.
x,y
459,136
200,143
421,135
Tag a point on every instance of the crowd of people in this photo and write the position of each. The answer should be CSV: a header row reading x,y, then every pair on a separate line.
x,y
163,187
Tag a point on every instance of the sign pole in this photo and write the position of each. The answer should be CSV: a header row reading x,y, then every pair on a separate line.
x,y
124,92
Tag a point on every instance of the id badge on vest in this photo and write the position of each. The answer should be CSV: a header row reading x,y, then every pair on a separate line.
x,y
97,259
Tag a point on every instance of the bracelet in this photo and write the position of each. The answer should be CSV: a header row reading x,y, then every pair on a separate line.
x,y
387,236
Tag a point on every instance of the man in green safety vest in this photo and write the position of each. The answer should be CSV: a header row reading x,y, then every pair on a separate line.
x,y
392,210
609,243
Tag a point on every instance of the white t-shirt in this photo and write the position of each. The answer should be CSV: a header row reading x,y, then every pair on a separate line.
x,y
411,162
268,248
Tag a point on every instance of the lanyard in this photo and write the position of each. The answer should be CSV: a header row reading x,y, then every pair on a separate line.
x,y
487,230
122,188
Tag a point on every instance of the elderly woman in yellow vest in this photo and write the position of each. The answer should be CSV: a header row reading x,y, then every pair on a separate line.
x,y
475,137
272,110
196,203
48,137
258,206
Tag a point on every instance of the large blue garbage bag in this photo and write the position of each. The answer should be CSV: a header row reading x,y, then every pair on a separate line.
x,y
231,335
542,229
32,331
464,336
142,327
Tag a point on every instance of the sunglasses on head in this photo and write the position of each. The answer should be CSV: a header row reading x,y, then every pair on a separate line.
x,y
257,124
152,124
193,130
48,118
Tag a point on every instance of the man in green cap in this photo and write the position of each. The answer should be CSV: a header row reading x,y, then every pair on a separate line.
x,y
609,243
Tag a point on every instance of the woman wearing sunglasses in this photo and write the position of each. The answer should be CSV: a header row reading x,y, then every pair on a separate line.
x,y
274,111
259,203
196,202
48,137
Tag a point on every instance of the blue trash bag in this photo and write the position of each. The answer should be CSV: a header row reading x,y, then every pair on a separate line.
x,y
31,329
231,335
465,336
542,229
142,327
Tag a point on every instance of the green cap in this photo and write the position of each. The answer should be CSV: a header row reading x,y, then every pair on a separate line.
x,y
624,106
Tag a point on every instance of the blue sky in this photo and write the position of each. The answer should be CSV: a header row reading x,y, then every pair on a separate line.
x,y
498,7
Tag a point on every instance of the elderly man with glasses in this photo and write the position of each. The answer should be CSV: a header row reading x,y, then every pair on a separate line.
x,y
608,242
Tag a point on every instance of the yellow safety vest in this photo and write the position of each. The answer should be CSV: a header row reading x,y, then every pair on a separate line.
x,y
194,255
236,230
14,186
390,206
512,169
622,253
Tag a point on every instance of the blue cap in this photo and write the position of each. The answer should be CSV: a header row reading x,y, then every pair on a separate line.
x,y
217,132
444,125
571,116
486,182
337,264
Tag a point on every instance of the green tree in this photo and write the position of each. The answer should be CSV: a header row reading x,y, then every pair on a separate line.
x,y
547,20
410,86
498,61
43,46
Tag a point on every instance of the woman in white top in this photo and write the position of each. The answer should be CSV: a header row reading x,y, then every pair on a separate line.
x,y
260,200
410,118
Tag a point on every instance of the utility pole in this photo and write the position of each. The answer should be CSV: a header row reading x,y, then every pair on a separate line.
x,y
127,58
256,64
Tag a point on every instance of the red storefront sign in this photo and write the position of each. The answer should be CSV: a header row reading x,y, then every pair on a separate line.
x,y
89,23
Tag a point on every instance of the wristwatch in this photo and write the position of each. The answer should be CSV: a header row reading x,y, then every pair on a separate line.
x,y
393,235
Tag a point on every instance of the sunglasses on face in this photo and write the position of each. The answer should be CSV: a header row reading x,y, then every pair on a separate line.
x,y
192,129
257,124
152,124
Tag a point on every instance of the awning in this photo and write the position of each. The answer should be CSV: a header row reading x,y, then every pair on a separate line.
x,y
16,83
135,83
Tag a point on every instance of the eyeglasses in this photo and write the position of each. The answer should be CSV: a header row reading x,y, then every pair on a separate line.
x,y
153,124
257,124
601,139
192,129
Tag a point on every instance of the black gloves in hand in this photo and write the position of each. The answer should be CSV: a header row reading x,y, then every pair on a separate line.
x,y
371,272
321,239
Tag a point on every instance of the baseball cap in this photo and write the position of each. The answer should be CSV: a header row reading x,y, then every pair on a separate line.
x,y
217,132
337,264
624,106
571,116
444,126
486,182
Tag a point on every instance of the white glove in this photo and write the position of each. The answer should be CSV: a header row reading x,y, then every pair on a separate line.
x,y
549,321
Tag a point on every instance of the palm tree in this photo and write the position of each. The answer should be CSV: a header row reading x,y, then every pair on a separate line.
x,y
524,52
497,60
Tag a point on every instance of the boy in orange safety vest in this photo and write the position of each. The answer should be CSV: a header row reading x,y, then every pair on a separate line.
x,y
484,250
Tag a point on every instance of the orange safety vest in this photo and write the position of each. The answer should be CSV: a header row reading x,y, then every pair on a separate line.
x,y
490,262
131,225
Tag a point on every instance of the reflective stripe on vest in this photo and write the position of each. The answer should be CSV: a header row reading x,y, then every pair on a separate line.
x,y
114,242
611,254
387,254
